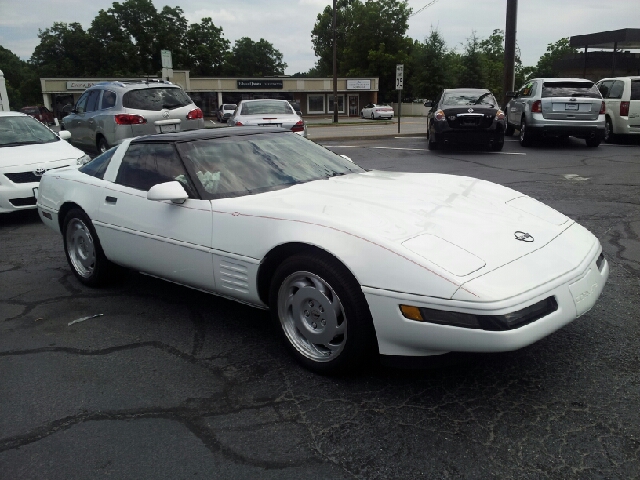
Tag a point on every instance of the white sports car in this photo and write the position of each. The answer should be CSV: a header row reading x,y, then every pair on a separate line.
x,y
350,262
27,150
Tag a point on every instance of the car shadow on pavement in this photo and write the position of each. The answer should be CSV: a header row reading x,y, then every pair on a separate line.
x,y
22,217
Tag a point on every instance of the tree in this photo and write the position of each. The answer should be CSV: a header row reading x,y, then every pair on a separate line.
x,y
431,71
118,56
471,75
555,51
371,39
22,82
206,48
254,59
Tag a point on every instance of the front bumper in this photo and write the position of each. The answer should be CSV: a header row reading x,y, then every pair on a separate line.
x,y
574,293
443,133
14,197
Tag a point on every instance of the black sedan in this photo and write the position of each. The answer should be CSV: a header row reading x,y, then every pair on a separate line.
x,y
465,115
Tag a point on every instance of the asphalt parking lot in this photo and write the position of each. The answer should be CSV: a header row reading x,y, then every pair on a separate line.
x,y
173,383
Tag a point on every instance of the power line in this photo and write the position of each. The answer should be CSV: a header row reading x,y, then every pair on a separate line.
x,y
421,9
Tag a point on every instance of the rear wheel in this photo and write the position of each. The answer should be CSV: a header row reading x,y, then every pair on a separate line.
x,y
525,136
322,313
372,116
609,136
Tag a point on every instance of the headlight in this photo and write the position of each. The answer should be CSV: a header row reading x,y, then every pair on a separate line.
x,y
83,159
439,115
507,321
499,115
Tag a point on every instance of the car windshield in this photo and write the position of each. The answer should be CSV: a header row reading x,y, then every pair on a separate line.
x,y
469,98
236,166
278,107
22,130
156,99
570,89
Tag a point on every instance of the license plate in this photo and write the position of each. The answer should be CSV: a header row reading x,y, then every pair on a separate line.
x,y
571,106
168,128
35,192
270,124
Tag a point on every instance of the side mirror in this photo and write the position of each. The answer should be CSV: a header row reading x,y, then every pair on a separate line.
x,y
511,94
173,191
64,134
428,104
346,158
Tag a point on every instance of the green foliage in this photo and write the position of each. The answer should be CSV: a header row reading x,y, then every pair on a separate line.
x,y
254,59
431,67
22,82
207,48
555,51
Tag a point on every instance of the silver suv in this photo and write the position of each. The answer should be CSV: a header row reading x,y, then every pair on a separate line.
x,y
556,107
109,112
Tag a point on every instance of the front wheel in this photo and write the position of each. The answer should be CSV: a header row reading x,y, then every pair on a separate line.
x,y
498,142
83,251
322,313
372,116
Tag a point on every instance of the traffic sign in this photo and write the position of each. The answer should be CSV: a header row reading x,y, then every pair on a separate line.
x,y
399,76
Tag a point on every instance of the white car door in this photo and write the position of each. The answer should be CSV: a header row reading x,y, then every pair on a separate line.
x,y
172,241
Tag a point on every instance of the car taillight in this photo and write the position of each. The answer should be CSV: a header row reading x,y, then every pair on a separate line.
x,y
624,109
195,114
602,109
536,107
298,127
238,124
439,115
127,119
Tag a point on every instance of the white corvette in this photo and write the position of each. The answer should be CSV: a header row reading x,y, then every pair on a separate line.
x,y
351,263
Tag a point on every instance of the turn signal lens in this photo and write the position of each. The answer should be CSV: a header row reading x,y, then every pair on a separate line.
x,y
439,115
195,114
412,313
499,115
536,107
127,119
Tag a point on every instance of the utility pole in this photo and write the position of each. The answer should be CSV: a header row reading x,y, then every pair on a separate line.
x,y
335,68
510,49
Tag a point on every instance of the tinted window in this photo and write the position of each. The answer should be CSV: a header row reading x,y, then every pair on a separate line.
x,y
570,89
616,89
148,164
98,165
635,90
229,107
604,88
528,90
82,102
236,166
23,130
267,107
108,99
469,98
92,101
155,99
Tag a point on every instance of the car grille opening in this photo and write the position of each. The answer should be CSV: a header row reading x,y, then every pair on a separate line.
x,y
23,202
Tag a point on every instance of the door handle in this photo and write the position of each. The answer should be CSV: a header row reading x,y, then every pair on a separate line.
x,y
111,200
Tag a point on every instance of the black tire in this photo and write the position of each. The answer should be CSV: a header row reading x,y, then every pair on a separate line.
x,y
92,269
294,287
102,145
372,116
509,130
525,136
498,142
609,136
432,145
593,142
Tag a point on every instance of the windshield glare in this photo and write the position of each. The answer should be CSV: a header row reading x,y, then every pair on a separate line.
x,y
156,99
469,98
19,130
236,166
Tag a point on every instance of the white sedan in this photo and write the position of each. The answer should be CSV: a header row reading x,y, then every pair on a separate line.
x,y
350,262
27,150
374,111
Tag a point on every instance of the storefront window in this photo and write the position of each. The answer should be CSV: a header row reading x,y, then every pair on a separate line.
x,y
340,103
315,103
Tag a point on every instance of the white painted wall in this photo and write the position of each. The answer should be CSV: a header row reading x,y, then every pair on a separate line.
x,y
4,98
411,109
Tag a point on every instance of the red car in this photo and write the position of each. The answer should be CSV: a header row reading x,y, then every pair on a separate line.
x,y
39,113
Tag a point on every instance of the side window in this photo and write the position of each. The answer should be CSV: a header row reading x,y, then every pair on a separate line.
x,y
108,99
98,165
635,90
604,88
148,164
92,100
616,89
82,102
527,90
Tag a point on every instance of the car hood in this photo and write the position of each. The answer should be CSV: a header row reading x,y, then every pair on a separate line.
x,y
38,154
461,224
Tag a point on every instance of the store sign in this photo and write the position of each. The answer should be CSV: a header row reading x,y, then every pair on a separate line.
x,y
358,84
259,84
80,85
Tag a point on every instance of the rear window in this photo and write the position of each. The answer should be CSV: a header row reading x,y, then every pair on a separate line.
x,y
156,99
279,107
635,90
229,107
570,89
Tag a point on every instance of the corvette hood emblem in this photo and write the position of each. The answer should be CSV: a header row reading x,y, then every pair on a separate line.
x,y
523,236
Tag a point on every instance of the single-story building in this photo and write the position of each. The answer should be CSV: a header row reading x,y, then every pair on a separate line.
x,y
315,95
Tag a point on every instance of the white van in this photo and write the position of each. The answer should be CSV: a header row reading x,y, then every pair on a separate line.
x,y
4,98
622,106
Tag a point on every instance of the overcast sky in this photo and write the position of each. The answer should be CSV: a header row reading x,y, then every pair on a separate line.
x,y
287,24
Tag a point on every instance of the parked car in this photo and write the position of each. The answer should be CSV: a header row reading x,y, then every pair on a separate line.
x,y
556,107
39,113
375,111
225,111
109,112
350,262
622,106
268,113
465,115
27,150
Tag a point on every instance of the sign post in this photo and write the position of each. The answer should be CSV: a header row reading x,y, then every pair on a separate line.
x,y
399,84
167,64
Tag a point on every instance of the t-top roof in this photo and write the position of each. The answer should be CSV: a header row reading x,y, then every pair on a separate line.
x,y
625,38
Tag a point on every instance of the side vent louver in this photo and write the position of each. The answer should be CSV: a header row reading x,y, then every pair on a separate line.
x,y
234,277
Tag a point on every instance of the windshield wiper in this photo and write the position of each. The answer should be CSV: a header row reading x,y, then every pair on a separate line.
x,y
480,98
